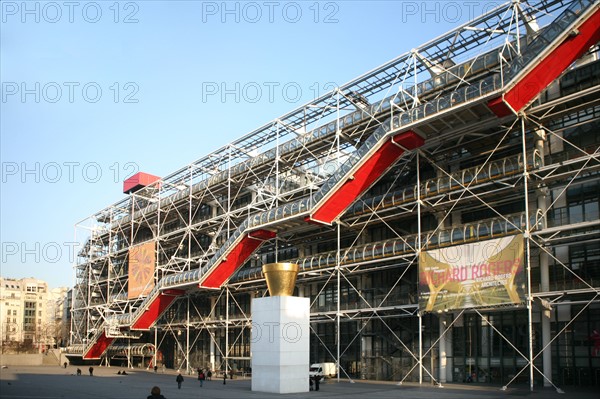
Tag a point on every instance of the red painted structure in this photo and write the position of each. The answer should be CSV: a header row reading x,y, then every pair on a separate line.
x,y
138,181
549,68
236,257
362,178
155,309
99,347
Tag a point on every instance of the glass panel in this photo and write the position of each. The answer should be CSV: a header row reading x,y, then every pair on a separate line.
x,y
575,213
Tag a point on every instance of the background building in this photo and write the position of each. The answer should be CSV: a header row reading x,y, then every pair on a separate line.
x,y
31,314
24,312
57,321
443,208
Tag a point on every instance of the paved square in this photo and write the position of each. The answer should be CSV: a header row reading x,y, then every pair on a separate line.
x,y
53,382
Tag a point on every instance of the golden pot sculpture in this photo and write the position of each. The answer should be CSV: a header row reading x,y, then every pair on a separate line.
x,y
281,278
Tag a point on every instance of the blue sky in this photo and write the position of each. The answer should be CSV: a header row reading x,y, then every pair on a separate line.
x,y
93,91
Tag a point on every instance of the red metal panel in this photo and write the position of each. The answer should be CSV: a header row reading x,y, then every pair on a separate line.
x,y
367,173
549,68
155,309
99,347
138,181
236,258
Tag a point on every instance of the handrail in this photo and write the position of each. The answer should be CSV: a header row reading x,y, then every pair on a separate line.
x,y
491,228
503,167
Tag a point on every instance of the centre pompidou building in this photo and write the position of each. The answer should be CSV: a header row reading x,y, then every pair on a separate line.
x,y
443,209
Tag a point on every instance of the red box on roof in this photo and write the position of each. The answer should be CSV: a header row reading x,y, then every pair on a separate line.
x,y
138,181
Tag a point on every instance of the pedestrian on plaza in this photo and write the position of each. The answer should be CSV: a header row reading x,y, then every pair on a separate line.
x,y
155,369
65,364
78,371
155,394
208,375
224,377
91,370
317,381
201,378
179,380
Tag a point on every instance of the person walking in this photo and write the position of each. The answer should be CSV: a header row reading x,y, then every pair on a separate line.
x,y
179,380
155,394
224,377
91,370
201,378
209,375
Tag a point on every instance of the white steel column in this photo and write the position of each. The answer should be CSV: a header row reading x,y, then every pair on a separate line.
x,y
527,236
419,203
545,314
442,349
155,346
420,347
129,364
226,330
213,300
337,254
338,314
546,338
187,338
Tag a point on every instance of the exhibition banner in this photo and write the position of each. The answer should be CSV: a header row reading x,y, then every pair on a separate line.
x,y
142,259
478,274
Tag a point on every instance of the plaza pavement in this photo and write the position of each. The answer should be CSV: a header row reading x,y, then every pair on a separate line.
x,y
53,382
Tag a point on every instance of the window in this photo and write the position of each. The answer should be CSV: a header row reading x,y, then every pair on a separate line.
x,y
583,202
14,312
585,260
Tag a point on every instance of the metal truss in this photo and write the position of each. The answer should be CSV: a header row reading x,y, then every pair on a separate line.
x,y
472,162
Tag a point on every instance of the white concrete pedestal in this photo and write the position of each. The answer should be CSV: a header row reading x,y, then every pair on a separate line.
x,y
280,343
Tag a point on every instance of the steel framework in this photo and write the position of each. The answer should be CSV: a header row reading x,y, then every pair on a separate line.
x,y
486,131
